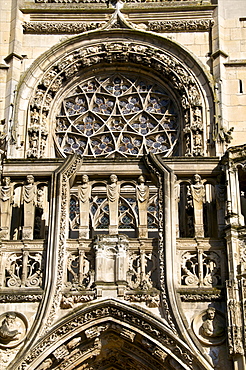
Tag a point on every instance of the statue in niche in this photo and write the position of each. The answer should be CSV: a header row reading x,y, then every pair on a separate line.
x,y
197,191
30,201
84,194
142,193
6,201
212,327
34,117
197,144
8,329
113,194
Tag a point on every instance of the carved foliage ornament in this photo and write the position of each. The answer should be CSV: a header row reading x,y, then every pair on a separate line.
x,y
156,26
64,188
51,27
181,79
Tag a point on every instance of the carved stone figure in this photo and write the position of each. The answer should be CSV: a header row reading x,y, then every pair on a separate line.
x,y
198,196
84,193
30,201
8,330
6,201
113,193
142,193
211,326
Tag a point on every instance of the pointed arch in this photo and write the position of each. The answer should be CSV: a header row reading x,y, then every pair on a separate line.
x,y
110,333
59,69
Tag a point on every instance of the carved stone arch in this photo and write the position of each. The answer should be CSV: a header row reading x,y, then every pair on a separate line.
x,y
110,334
51,74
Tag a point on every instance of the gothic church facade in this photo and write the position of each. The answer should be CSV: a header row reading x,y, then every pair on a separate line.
x,y
123,184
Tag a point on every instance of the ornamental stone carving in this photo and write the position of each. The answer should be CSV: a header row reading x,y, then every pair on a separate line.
x,y
113,193
180,25
166,65
111,262
84,195
30,202
197,191
63,28
13,328
6,202
142,192
210,326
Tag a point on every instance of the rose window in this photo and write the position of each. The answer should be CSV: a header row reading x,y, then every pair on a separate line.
x,y
123,114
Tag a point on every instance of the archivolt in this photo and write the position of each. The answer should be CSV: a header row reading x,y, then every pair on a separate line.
x,y
191,87
109,334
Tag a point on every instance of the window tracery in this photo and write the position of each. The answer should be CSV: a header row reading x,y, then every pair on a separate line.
x,y
117,113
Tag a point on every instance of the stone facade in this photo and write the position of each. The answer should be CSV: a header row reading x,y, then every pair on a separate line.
x,y
122,195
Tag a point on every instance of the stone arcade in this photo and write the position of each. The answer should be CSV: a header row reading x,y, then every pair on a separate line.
x,y
122,195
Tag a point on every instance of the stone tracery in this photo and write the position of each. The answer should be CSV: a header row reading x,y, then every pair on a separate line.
x,y
133,129
119,113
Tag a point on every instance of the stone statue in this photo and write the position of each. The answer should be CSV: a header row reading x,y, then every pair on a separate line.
x,y
113,193
30,201
6,201
197,191
8,331
84,194
220,196
211,326
142,194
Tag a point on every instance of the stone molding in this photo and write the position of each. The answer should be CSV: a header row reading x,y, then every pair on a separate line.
x,y
109,311
65,175
20,298
54,28
155,26
180,25
179,76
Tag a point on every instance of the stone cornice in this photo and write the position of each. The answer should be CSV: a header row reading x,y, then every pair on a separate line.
x,y
180,25
156,26
54,27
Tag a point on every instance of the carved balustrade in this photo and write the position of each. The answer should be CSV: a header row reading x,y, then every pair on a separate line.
x,y
201,268
110,262
21,266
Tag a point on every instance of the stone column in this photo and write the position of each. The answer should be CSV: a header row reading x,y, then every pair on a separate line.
x,y
177,200
198,197
29,200
6,201
84,193
113,193
142,193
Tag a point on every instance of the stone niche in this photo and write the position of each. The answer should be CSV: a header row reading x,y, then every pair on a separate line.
x,y
111,264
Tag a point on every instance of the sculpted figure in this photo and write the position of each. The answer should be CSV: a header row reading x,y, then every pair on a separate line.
x,y
8,331
84,193
6,201
113,193
198,196
142,193
30,201
212,327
